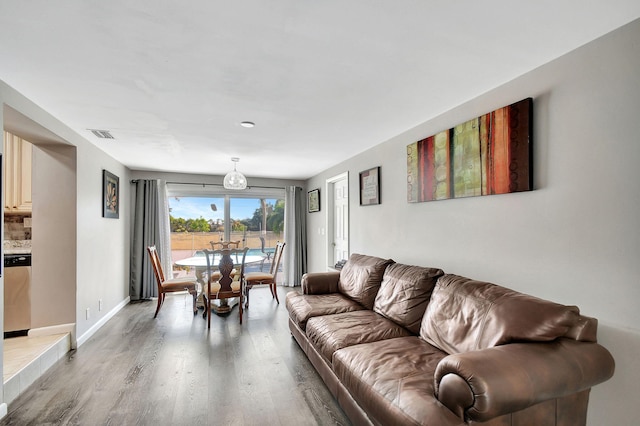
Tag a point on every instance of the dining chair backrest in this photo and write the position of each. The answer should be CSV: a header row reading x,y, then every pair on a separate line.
x,y
156,264
224,244
277,256
227,259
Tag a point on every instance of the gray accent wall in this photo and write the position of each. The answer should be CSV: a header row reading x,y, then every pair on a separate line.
x,y
575,239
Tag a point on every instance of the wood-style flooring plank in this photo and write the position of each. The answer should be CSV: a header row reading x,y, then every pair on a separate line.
x,y
137,370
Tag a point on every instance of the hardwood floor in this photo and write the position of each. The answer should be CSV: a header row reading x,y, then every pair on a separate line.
x,y
170,371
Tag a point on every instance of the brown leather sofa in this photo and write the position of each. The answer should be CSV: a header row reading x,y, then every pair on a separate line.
x,y
408,345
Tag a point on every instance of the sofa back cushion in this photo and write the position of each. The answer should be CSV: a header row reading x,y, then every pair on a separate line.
x,y
360,278
466,315
404,294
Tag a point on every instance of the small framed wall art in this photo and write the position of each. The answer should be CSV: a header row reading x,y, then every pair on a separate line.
x,y
370,187
110,195
313,200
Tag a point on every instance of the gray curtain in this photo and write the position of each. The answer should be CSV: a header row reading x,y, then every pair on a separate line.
x,y
146,232
295,252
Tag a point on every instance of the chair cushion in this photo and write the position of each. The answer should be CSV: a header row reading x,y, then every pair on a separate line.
x,y
328,333
179,284
216,275
258,276
301,307
404,294
361,276
466,315
215,287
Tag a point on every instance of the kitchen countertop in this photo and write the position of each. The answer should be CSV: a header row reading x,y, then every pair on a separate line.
x,y
17,246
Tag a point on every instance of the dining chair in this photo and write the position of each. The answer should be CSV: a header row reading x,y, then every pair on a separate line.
x,y
220,245
172,285
257,278
228,284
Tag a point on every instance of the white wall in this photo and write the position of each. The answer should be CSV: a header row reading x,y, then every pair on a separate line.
x,y
575,239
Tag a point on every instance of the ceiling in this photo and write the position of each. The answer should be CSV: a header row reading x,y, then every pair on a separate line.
x,y
322,80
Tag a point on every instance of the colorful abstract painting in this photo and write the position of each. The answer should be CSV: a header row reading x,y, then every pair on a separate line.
x,y
491,154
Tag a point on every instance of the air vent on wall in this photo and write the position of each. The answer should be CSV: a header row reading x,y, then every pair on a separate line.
x,y
102,134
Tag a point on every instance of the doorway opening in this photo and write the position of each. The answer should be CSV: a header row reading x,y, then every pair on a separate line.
x,y
52,214
337,243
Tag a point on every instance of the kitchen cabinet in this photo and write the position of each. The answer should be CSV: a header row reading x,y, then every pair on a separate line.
x,y
16,174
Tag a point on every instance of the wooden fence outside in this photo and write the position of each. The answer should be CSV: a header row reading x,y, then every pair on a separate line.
x,y
200,240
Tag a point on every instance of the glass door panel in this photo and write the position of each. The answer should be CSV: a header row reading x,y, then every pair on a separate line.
x,y
258,223
194,222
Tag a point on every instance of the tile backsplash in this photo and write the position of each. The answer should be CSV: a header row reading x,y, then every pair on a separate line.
x,y
14,228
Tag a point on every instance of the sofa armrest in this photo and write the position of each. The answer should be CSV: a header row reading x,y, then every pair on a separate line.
x,y
481,385
320,282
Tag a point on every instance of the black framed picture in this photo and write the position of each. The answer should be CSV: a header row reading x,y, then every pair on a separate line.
x,y
370,187
110,195
313,200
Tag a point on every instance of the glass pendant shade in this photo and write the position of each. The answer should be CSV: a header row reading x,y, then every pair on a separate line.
x,y
234,179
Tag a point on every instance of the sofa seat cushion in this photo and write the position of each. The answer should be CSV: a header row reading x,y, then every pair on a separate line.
x,y
467,315
392,380
301,307
329,333
361,276
404,294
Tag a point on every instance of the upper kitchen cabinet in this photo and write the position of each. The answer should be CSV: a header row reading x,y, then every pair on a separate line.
x,y
16,167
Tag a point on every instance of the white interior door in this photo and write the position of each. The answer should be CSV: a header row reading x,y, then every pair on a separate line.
x,y
338,219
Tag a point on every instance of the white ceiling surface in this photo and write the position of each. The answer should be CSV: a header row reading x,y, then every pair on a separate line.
x,y
322,80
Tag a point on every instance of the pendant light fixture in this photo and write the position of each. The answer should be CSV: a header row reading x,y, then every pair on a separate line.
x,y
234,179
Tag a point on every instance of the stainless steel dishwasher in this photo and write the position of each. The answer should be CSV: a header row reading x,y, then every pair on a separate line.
x,y
17,294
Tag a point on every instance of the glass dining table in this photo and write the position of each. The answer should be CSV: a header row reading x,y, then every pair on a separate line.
x,y
199,263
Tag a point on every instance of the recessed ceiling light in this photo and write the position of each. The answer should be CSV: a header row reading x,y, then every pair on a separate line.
x,y
248,124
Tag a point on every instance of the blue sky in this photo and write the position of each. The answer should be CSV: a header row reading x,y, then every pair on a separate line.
x,y
195,207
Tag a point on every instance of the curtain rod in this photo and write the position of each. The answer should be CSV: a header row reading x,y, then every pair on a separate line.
x,y
216,184
219,184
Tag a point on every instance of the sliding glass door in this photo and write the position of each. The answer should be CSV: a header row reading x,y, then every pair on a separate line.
x,y
256,220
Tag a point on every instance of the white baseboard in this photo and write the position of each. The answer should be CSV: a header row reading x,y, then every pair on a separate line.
x,y
82,339
3,410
